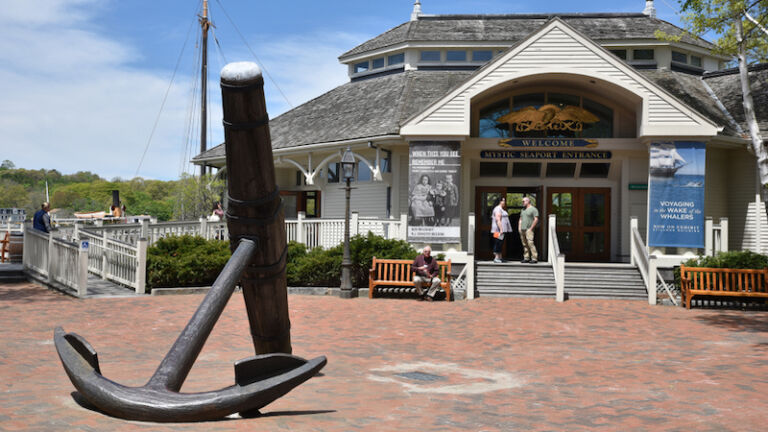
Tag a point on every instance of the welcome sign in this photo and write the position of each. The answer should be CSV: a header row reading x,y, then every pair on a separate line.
x,y
676,194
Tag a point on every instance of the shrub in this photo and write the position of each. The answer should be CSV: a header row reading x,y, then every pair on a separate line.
x,y
183,261
733,259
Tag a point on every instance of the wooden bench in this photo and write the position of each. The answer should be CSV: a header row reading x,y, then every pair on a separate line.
x,y
720,282
5,249
397,273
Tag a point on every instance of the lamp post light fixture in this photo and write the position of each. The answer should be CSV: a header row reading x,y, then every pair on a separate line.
x,y
348,171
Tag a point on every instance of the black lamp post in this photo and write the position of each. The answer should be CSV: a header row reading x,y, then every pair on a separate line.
x,y
348,171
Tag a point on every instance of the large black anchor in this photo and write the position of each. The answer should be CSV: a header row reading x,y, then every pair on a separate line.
x,y
259,380
256,223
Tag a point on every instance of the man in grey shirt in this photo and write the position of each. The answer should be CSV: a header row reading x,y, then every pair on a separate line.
x,y
529,218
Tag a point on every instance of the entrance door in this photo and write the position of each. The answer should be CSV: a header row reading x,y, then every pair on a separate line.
x,y
583,222
485,197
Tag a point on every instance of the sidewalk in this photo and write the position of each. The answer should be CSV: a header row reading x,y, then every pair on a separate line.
x,y
402,365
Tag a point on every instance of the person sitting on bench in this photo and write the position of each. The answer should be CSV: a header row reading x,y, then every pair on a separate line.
x,y
425,270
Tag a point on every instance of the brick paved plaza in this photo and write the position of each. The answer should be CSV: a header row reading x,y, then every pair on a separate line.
x,y
394,365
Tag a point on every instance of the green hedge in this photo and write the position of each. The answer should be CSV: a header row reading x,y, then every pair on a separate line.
x,y
734,260
183,261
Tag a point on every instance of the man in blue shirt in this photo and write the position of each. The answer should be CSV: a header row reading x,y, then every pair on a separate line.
x,y
42,221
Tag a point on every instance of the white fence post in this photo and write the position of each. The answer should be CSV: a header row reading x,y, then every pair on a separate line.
x,y
354,224
82,268
141,267
632,245
300,228
204,228
50,258
723,234
471,233
144,229
708,236
403,226
651,280
104,260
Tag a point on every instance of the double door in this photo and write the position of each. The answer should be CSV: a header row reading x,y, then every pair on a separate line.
x,y
583,222
485,197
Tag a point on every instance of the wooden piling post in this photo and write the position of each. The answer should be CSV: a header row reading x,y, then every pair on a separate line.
x,y
255,208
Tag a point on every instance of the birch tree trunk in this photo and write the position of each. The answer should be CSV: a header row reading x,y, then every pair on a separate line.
x,y
749,113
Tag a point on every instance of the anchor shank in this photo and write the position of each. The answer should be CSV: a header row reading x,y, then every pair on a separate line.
x,y
177,363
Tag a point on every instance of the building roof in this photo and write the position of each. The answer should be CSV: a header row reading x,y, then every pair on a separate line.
x,y
357,110
727,86
513,28
378,106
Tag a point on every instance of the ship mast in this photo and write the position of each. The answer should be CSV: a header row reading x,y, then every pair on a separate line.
x,y
205,24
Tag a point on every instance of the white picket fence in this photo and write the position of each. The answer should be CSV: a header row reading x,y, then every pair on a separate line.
x,y
55,260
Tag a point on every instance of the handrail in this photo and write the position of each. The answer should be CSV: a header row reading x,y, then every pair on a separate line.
x,y
556,259
645,263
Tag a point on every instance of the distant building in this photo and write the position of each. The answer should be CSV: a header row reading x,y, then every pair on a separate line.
x,y
12,215
588,114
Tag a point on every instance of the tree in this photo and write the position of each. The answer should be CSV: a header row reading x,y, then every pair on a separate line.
x,y
195,196
741,27
7,165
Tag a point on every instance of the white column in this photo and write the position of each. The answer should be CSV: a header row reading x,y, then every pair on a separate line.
x,y
144,229
471,233
141,267
404,226
470,276
204,228
50,258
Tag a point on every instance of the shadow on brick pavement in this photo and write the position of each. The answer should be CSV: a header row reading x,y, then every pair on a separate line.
x,y
394,365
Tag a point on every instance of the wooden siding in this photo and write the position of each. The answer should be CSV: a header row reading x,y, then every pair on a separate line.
x,y
367,198
742,209
557,49
716,186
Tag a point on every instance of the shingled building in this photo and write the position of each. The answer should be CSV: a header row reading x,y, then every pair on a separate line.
x,y
590,115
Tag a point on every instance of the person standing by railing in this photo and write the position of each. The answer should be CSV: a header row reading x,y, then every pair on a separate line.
x,y
42,220
529,218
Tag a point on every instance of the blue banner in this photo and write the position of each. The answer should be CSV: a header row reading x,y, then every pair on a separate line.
x,y
676,194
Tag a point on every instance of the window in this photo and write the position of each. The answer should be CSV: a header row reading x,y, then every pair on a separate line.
x,y
430,56
679,57
363,172
620,53
559,169
594,170
396,59
696,61
487,127
378,63
604,127
312,204
333,172
642,54
458,56
299,177
361,67
482,55
493,169
526,169
386,162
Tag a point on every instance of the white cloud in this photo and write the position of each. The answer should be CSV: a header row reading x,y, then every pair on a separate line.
x,y
74,99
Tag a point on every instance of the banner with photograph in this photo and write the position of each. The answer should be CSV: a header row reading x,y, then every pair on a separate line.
x,y
676,194
433,194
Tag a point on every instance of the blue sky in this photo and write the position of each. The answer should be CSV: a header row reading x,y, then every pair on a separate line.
x,y
83,80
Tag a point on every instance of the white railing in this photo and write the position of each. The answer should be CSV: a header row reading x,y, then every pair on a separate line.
x,y
470,284
330,232
116,261
556,259
646,263
56,261
12,227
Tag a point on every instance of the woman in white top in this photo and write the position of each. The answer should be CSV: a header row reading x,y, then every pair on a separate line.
x,y
499,225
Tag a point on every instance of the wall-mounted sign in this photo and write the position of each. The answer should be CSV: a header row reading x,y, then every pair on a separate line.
x,y
548,142
638,186
433,200
676,196
544,154
548,117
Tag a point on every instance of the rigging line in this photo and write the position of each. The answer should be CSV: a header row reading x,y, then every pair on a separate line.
x,y
218,46
254,55
191,118
165,98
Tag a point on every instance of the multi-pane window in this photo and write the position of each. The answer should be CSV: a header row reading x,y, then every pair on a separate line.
x,y
457,56
430,56
361,67
482,55
396,59
620,53
642,54
679,57
378,63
